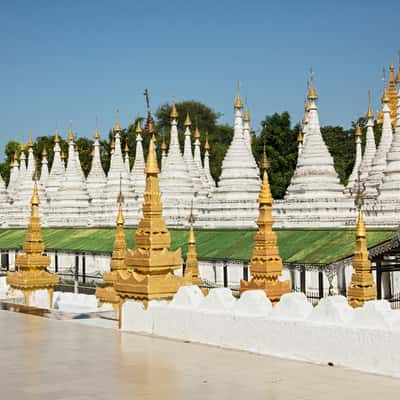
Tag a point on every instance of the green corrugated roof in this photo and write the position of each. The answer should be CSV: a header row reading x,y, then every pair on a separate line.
x,y
308,246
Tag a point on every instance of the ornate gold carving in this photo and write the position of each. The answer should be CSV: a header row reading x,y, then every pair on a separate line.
x,y
362,287
151,265
266,264
392,93
32,265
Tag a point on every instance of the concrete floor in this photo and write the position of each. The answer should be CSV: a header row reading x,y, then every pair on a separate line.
x,y
50,359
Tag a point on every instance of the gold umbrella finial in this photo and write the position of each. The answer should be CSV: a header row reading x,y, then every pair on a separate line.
x,y
238,101
312,93
174,113
188,122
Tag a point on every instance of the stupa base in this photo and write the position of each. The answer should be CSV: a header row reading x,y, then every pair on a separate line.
x,y
273,289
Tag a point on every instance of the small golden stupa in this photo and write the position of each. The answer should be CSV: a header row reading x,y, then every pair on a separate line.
x,y
108,294
392,95
192,263
151,266
266,264
32,265
362,287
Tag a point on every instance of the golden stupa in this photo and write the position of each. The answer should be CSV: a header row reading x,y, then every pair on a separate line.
x,y
108,294
32,265
392,95
266,264
192,263
151,266
362,287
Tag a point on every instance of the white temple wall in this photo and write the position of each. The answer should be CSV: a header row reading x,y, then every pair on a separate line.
x,y
366,339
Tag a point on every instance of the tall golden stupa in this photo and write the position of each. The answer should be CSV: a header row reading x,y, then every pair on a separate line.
x,y
32,265
151,266
266,264
362,287
109,294
391,94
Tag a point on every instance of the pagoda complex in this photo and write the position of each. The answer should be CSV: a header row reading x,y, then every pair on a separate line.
x,y
151,266
32,276
266,263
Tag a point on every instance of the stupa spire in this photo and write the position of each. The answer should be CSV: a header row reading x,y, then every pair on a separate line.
x,y
192,264
393,95
357,161
117,263
266,264
375,174
362,287
32,274
44,174
370,147
207,171
246,127
57,171
137,174
238,101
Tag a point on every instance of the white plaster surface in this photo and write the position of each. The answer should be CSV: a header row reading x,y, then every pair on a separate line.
x,y
328,334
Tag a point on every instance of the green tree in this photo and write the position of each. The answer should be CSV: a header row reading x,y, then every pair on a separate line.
x,y
281,149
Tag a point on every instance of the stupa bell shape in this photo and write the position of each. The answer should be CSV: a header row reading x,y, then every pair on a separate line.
x,y
138,176
233,202
353,179
96,185
175,181
375,174
315,176
69,205
23,191
118,179
370,147
390,187
200,184
57,172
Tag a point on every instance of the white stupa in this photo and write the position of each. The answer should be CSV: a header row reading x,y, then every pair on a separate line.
x,y
118,179
138,177
370,147
234,201
175,181
14,177
210,179
375,174
69,205
96,185
352,184
315,196
57,171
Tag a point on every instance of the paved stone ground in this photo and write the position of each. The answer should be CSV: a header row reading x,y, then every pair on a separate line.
x,y
49,359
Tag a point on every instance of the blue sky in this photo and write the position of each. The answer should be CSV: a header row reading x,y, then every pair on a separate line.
x,y
78,60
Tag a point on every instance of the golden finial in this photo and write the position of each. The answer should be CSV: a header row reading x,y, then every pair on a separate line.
x,y
358,132
174,113
120,200
56,137
44,152
188,122
138,127
163,145
15,156
62,155
300,136
96,134
391,74
264,160
197,133
151,163
112,143
238,101
312,93
370,113
385,96
150,126
70,132
117,125
206,144
30,141
126,149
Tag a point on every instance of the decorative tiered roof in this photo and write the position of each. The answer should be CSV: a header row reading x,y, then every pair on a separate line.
x,y
266,264
152,264
362,287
